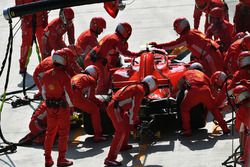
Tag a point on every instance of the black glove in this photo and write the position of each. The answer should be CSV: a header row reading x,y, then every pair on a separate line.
x,y
93,56
154,44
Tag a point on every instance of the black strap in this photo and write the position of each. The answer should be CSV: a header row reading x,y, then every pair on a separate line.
x,y
56,103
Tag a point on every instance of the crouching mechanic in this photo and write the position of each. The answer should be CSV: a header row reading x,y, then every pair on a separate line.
x,y
56,91
197,90
244,70
127,98
242,99
83,87
219,83
37,126
232,55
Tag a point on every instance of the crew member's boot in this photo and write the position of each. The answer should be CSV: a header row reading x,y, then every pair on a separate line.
x,y
48,161
62,161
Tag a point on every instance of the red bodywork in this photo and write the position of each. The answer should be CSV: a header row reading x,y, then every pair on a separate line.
x,y
156,62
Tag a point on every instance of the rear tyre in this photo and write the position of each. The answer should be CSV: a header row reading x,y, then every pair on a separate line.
x,y
107,125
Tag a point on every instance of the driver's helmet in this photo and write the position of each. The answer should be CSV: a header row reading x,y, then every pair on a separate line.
x,y
244,59
93,71
181,24
196,66
151,81
124,29
97,24
240,93
218,79
201,4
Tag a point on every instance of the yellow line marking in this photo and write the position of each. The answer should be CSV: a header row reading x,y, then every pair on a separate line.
x,y
216,130
77,135
141,157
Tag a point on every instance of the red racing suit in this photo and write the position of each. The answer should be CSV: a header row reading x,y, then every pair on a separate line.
x,y
205,50
72,69
37,126
109,45
38,73
38,122
223,33
231,57
83,88
28,25
241,17
126,98
243,116
221,99
241,74
212,4
197,87
87,40
53,36
114,60
57,93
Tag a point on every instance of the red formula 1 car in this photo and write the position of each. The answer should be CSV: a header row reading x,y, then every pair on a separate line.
x,y
161,104
152,62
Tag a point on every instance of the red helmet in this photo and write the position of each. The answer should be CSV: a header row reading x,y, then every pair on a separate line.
x,y
201,4
244,59
240,93
93,71
97,24
151,81
246,42
216,13
180,24
66,14
62,56
218,78
124,29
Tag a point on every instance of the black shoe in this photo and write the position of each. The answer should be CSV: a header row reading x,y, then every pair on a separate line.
x,y
126,147
100,139
186,133
64,162
49,163
112,163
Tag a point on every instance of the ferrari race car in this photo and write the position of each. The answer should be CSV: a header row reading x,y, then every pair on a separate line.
x,y
157,107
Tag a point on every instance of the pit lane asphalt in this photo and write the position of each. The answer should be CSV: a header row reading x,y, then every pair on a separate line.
x,y
151,21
